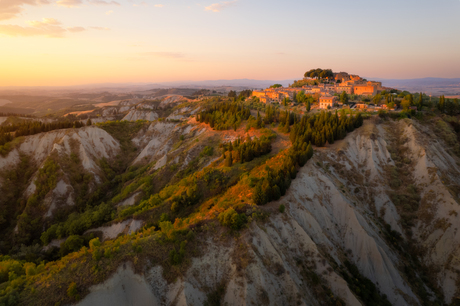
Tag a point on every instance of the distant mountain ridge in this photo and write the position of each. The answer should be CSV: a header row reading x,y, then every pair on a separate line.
x,y
428,84
419,82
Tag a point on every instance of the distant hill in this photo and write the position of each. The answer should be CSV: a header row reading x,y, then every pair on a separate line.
x,y
139,87
435,86
234,83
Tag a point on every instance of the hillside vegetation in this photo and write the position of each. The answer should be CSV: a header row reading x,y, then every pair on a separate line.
x,y
218,203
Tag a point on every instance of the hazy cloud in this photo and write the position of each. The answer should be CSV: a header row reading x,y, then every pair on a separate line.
x,y
12,8
76,29
109,12
159,5
49,27
217,7
44,22
101,2
100,28
70,3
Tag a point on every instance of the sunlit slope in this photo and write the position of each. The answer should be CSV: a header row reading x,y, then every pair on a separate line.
x,y
171,218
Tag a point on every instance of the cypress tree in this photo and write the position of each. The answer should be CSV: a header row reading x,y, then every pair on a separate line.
x,y
309,151
420,101
276,193
258,196
259,120
229,160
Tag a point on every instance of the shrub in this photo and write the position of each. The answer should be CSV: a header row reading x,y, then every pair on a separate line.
x,y
97,254
164,217
108,253
176,257
226,216
232,219
72,244
72,291
363,287
30,268
77,224
281,208
207,151
94,244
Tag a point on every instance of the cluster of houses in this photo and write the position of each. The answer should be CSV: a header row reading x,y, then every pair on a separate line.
x,y
343,82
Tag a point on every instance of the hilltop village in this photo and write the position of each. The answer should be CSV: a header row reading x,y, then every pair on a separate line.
x,y
325,87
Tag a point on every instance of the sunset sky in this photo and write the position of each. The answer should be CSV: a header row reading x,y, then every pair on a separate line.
x,y
69,42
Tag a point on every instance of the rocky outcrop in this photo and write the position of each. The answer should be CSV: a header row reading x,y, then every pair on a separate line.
x,y
337,208
136,114
89,144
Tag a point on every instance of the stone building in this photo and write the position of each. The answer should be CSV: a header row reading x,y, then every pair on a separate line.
x,y
327,101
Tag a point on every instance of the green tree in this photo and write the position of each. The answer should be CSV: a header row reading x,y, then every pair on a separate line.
x,y
441,103
410,98
73,243
319,73
276,86
309,151
451,107
229,160
377,98
420,101
232,94
258,196
405,104
308,106
89,122
259,121
94,244
326,74
276,193
287,122
344,97
286,101
301,97
72,290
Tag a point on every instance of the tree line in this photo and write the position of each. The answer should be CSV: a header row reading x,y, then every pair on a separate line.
x,y
319,73
275,184
245,151
224,115
15,115
324,127
309,130
32,128
241,96
448,106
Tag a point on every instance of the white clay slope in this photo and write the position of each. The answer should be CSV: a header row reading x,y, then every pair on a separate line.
x,y
330,210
